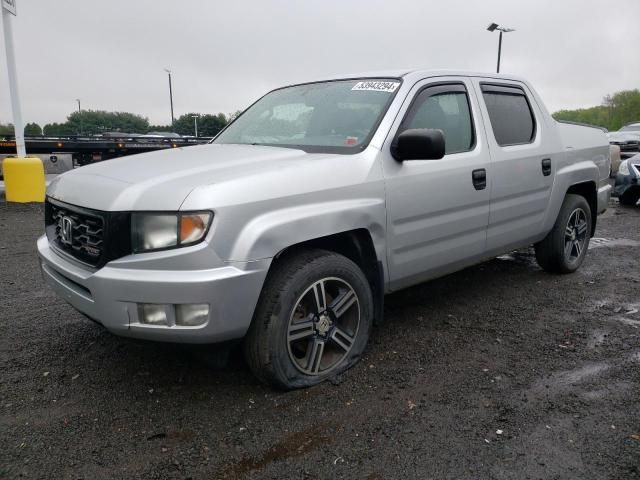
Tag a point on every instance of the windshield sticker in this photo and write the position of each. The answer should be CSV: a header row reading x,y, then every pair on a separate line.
x,y
376,86
350,141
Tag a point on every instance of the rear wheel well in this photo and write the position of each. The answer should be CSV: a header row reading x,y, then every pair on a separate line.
x,y
357,246
588,190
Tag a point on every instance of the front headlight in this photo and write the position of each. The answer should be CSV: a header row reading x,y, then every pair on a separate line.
x,y
160,231
624,168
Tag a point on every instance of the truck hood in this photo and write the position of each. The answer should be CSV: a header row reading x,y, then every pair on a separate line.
x,y
162,180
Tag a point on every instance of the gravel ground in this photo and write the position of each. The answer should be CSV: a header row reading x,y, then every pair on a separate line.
x,y
500,371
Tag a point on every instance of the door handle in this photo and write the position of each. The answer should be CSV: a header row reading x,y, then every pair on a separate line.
x,y
546,167
479,178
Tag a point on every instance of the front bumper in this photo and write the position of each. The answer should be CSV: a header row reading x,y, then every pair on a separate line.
x,y
624,154
111,295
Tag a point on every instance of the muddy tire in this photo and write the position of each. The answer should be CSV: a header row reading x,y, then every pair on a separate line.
x,y
564,248
313,320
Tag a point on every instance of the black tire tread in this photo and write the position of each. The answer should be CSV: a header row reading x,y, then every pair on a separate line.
x,y
548,255
256,344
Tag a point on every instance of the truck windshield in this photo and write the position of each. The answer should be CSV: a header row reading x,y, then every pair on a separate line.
x,y
335,117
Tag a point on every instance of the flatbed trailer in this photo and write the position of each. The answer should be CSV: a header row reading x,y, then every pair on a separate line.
x,y
89,149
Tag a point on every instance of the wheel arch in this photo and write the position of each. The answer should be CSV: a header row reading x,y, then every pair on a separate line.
x,y
580,178
589,191
358,246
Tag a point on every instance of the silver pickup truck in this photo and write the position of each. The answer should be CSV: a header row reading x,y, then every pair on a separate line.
x,y
291,226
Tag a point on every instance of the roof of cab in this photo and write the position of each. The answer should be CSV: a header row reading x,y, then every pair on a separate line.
x,y
417,74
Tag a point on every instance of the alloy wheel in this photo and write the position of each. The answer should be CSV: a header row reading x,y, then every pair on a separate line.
x,y
323,326
575,235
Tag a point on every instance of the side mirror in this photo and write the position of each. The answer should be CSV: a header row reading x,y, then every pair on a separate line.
x,y
418,144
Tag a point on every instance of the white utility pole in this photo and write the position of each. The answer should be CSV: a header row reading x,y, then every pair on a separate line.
x,y
9,10
195,123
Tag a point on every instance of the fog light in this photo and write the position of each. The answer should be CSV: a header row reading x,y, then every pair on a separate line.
x,y
192,314
153,314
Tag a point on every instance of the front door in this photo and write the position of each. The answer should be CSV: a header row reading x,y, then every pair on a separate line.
x,y
437,210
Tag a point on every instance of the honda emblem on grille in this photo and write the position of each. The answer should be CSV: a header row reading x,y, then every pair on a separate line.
x,y
67,230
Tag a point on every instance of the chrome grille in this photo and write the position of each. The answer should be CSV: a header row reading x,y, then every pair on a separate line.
x,y
629,146
93,237
79,234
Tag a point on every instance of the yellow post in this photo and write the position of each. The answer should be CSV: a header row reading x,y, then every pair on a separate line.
x,y
23,179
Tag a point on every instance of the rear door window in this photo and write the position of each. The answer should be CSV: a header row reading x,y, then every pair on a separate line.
x,y
512,119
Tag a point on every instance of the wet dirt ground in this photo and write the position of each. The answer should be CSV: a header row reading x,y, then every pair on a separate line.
x,y
501,371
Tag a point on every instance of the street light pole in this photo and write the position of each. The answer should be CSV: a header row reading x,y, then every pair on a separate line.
x,y
79,114
195,124
170,95
493,27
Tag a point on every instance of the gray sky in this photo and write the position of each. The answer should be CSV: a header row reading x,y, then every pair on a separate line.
x,y
111,54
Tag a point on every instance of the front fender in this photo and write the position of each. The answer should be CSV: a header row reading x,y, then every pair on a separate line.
x,y
268,234
567,176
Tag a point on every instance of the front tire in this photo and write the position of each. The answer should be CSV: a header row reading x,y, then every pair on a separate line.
x,y
564,248
313,320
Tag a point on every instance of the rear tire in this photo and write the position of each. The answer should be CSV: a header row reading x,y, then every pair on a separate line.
x,y
312,322
564,248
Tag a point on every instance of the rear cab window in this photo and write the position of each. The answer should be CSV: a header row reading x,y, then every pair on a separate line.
x,y
510,113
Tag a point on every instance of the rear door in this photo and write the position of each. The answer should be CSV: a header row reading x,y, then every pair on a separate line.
x,y
436,215
522,165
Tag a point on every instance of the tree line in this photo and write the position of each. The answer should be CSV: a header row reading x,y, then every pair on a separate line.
x,y
93,122
615,111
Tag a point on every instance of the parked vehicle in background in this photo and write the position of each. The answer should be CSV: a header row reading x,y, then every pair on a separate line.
x,y
288,229
627,185
628,142
633,127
